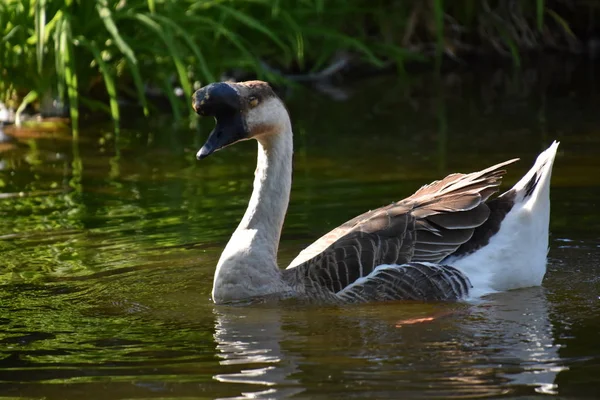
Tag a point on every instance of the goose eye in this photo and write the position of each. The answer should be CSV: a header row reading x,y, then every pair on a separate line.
x,y
253,101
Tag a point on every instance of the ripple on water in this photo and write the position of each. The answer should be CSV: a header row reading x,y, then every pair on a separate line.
x,y
106,259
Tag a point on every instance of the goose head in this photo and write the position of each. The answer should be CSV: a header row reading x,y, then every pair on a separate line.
x,y
242,111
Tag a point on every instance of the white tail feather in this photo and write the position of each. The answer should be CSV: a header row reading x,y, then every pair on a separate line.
x,y
515,256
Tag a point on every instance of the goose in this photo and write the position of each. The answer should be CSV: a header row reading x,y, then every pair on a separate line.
x,y
446,242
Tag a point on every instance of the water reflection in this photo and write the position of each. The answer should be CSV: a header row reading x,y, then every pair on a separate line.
x,y
518,326
252,337
503,344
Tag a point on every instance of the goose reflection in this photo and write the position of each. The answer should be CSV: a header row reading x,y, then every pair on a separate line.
x,y
519,328
251,338
498,345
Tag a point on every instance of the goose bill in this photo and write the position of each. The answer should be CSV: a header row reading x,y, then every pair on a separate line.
x,y
230,129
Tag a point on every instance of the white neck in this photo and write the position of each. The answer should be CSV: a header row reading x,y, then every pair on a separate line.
x,y
248,265
271,195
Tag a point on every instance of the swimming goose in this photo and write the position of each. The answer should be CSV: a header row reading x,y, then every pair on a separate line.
x,y
445,242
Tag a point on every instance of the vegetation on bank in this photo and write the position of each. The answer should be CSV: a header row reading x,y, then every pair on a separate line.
x,y
93,55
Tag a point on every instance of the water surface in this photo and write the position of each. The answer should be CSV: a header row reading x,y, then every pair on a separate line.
x,y
108,246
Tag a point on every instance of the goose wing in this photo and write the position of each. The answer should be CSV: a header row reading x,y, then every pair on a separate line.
x,y
362,267
425,227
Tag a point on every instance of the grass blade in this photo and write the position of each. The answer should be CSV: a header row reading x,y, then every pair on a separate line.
x,y
514,49
59,63
14,31
208,75
297,37
167,38
348,41
28,99
438,16
105,14
152,6
108,81
233,38
94,105
40,25
253,24
561,21
66,47
170,92
51,25
109,23
539,8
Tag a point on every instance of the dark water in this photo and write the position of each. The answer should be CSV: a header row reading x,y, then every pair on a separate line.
x,y
108,247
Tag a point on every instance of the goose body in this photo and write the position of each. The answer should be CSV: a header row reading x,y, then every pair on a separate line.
x,y
447,241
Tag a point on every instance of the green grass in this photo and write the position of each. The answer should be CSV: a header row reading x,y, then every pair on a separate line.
x,y
91,54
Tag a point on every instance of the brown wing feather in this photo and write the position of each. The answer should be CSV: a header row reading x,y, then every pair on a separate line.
x,y
350,258
427,226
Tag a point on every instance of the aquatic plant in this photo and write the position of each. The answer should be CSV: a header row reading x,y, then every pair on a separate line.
x,y
97,54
